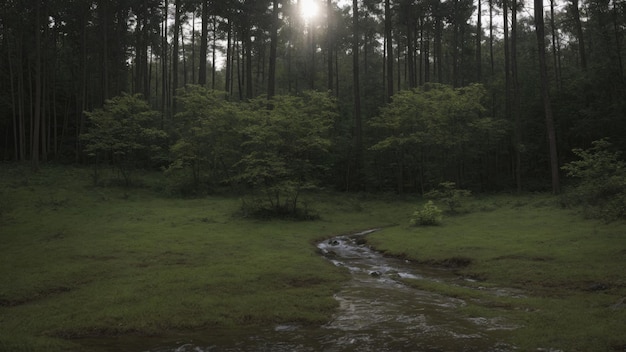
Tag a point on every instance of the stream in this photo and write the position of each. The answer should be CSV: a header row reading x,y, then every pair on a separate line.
x,y
376,313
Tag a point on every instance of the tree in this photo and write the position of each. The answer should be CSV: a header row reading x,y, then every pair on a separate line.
x,y
176,51
358,123
204,35
437,122
601,175
207,139
575,11
389,51
271,85
125,133
545,94
285,150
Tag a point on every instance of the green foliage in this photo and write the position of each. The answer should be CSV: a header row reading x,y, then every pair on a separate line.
x,y
207,133
126,133
436,114
434,122
285,149
450,195
602,181
429,215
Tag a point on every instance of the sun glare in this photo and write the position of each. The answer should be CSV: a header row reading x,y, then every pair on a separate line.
x,y
308,9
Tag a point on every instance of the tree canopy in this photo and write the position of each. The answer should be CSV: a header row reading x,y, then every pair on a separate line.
x,y
425,91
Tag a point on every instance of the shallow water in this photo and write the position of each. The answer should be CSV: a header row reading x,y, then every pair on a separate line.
x,y
376,313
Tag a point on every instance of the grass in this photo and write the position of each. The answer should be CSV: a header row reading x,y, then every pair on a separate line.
x,y
80,261
571,271
83,261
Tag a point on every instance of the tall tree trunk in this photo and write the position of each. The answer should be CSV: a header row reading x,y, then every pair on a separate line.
x,y
545,94
330,44
164,53
213,53
479,39
44,113
193,48
229,58
20,98
358,128
507,60
312,70
271,80
175,53
104,57
515,108
438,44
579,33
81,101
491,57
410,57
38,90
555,47
14,105
238,55
184,58
455,45
147,63
491,60
426,55
247,48
389,50
399,67
618,42
203,43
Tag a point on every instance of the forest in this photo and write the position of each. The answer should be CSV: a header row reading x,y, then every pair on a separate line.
x,y
393,96
154,155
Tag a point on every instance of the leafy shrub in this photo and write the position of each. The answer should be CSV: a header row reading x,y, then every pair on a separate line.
x,y
207,133
449,195
124,132
601,189
429,215
280,202
285,151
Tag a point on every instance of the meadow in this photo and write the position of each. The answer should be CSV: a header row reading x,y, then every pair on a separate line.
x,y
80,261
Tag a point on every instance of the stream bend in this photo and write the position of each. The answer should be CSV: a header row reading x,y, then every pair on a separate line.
x,y
377,312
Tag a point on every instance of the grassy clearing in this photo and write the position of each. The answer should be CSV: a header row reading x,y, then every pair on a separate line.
x,y
78,261
570,271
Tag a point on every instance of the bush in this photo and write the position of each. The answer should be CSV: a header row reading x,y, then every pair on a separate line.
x,y
283,203
125,132
601,189
429,215
286,151
449,195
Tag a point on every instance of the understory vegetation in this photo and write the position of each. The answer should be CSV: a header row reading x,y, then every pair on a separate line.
x,y
601,186
274,151
82,261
